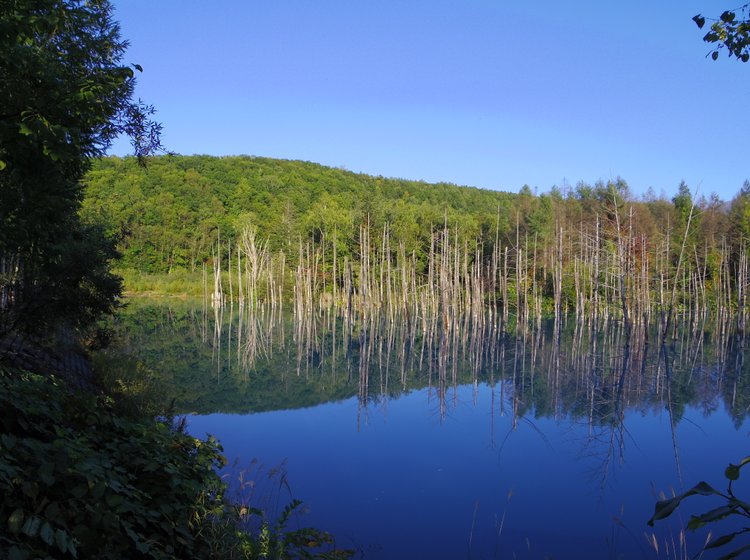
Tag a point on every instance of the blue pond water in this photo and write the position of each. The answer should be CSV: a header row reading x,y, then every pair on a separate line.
x,y
401,482
538,443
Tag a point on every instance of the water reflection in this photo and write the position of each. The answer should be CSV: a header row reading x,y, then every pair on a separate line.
x,y
588,372
572,419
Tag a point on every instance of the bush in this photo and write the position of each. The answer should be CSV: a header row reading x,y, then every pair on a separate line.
x,y
79,480
730,507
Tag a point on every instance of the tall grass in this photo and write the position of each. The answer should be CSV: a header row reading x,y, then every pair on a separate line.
x,y
179,283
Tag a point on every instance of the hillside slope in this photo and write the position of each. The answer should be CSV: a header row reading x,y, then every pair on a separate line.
x,y
171,212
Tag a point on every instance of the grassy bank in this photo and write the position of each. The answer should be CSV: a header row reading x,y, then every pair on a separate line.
x,y
179,283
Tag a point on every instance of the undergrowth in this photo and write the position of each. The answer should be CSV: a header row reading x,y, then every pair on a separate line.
x,y
80,478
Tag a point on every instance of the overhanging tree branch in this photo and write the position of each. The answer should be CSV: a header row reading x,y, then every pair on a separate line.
x,y
730,31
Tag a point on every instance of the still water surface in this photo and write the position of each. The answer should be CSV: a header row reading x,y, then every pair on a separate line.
x,y
410,441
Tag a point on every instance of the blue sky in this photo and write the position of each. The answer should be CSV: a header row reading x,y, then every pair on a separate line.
x,y
492,94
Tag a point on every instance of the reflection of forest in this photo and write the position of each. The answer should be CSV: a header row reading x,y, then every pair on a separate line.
x,y
224,360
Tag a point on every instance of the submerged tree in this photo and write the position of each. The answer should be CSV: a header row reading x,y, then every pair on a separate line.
x,y
65,95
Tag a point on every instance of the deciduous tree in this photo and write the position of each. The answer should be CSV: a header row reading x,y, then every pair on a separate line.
x,y
730,31
65,95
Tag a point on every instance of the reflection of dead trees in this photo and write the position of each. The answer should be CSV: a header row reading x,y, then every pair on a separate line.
x,y
614,378
216,347
429,351
591,370
254,339
615,449
625,374
254,336
670,402
606,403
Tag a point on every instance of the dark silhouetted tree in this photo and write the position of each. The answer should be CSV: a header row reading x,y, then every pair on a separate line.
x,y
65,95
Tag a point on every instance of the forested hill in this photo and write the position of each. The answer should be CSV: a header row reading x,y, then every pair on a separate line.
x,y
174,210
590,247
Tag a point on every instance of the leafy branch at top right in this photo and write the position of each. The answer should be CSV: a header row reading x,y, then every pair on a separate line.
x,y
730,31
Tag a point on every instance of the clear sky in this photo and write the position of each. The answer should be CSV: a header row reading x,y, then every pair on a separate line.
x,y
494,94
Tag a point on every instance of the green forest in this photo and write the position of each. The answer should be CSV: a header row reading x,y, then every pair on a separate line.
x,y
170,213
292,230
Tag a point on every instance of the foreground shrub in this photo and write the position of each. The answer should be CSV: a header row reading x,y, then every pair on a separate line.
x,y
80,481
730,508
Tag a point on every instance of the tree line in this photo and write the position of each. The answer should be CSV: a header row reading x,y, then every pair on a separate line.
x,y
592,248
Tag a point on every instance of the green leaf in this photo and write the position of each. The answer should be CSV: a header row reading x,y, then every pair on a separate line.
x,y
664,508
31,526
98,490
61,540
699,21
16,553
72,548
727,17
79,491
735,553
31,489
697,521
47,473
24,129
47,533
114,500
703,488
710,37
732,472
52,511
720,541
3,165
715,55
15,521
